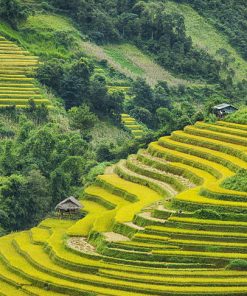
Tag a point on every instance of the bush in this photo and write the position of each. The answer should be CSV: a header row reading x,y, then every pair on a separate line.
x,y
207,214
237,182
13,12
237,265
238,117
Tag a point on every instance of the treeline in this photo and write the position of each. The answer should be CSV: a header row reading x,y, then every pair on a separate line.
x,y
149,26
228,16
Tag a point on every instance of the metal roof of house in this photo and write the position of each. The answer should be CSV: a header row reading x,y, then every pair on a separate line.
x,y
222,106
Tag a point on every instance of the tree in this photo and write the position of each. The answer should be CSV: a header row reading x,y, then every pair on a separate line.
x,y
16,205
143,115
165,117
76,82
76,145
74,167
37,190
51,73
161,98
60,186
8,161
41,114
25,199
99,94
39,149
13,12
115,104
104,153
82,118
143,96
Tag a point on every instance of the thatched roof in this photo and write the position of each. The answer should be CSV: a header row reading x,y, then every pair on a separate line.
x,y
69,204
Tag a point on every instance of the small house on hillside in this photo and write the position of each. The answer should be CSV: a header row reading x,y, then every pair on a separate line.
x,y
69,206
224,109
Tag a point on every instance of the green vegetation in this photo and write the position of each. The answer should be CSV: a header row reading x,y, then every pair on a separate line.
x,y
167,219
121,247
228,17
13,11
238,117
238,265
205,35
237,182
145,24
138,64
123,60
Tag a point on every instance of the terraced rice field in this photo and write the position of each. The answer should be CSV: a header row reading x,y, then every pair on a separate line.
x,y
134,239
17,86
133,126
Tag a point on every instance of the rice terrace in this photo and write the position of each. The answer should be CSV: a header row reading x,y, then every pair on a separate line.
x,y
123,140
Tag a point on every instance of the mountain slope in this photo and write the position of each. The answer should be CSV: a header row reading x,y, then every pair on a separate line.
x,y
135,238
206,36
16,85
129,60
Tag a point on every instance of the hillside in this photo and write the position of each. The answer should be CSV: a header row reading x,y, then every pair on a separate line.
x,y
129,60
16,84
135,238
111,103
205,35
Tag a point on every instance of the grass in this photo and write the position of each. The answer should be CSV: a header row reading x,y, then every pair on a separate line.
x,y
204,35
207,222
106,132
137,267
169,230
122,59
85,225
238,117
199,138
39,235
6,289
223,162
132,62
105,195
233,124
140,65
9,79
222,129
132,125
176,280
241,142
48,21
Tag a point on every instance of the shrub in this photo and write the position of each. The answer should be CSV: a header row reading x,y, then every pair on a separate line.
x,y
238,117
237,182
207,214
13,12
239,264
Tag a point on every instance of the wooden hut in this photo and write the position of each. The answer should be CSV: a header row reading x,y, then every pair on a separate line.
x,y
224,109
69,206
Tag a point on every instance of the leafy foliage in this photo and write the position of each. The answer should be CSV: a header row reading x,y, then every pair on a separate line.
x,y
237,182
228,16
239,264
238,117
148,25
13,11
